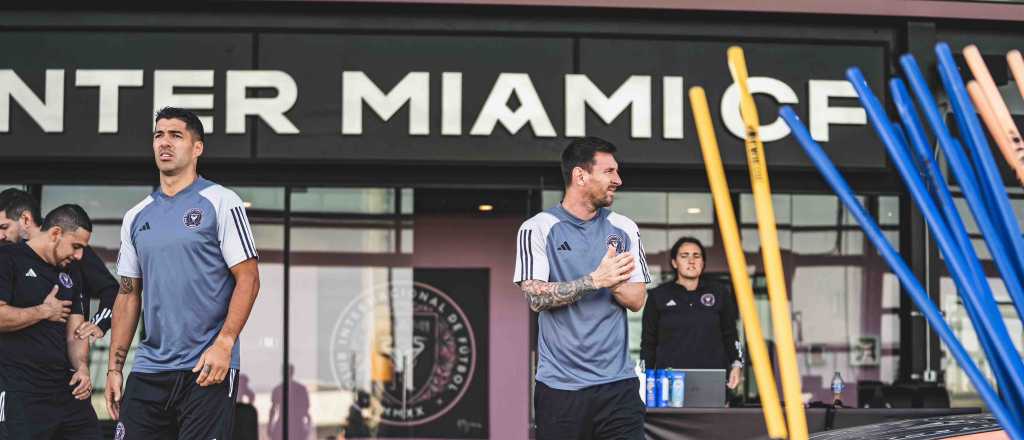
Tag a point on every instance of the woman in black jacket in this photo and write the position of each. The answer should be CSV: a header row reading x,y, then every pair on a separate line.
x,y
690,322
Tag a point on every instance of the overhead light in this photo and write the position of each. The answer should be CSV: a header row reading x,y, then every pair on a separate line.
x,y
485,208
693,210
247,205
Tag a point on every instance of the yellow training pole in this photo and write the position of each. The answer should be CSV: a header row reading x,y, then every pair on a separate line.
x,y
737,265
777,296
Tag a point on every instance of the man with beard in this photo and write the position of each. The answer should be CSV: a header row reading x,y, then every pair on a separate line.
x,y
191,243
44,366
19,220
580,266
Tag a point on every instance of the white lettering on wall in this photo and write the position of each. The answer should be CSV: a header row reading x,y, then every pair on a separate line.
x,y
451,104
672,107
48,113
821,114
357,88
270,110
109,83
531,110
634,93
730,109
164,83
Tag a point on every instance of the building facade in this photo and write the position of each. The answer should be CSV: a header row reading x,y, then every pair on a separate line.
x,y
388,152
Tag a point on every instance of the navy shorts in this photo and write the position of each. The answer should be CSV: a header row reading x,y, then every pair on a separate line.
x,y
45,416
608,411
172,405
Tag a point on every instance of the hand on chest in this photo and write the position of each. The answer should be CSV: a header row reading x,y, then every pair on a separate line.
x,y
36,281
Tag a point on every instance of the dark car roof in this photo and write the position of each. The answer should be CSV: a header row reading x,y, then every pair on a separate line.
x,y
918,429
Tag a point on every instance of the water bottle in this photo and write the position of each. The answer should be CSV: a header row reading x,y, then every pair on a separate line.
x,y
837,388
652,388
664,387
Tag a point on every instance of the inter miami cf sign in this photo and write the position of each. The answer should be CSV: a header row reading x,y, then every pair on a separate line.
x,y
428,372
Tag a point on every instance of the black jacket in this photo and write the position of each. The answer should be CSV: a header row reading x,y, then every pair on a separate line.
x,y
690,329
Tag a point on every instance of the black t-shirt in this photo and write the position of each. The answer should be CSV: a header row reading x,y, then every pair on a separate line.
x,y
690,328
35,358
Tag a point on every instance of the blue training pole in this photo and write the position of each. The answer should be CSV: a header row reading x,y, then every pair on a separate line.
x,y
991,320
899,267
917,138
989,177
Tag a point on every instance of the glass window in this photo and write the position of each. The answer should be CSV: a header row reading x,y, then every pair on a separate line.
x,y
844,300
962,393
386,342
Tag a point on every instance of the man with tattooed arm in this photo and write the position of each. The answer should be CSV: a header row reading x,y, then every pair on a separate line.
x,y
189,245
580,266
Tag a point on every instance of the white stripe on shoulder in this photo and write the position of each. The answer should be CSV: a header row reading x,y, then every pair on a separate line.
x,y
541,222
129,216
622,222
221,198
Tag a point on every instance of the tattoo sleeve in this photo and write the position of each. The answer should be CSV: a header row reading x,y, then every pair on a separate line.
x,y
542,295
130,286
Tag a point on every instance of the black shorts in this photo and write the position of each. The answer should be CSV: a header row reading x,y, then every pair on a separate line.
x,y
172,405
39,416
609,411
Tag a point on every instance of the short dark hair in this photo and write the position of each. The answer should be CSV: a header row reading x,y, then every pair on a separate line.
x,y
69,217
580,153
192,122
15,202
680,242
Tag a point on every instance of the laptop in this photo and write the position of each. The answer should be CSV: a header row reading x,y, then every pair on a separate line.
x,y
705,388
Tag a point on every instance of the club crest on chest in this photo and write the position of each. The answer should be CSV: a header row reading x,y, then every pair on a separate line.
x,y
707,300
193,218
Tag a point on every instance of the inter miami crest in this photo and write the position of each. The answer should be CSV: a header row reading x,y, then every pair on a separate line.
x,y
615,240
708,299
193,218
65,280
443,355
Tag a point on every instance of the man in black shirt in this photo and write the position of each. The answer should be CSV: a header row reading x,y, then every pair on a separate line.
x,y
45,368
19,220
690,322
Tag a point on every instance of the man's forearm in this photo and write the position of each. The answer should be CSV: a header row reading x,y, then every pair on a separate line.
x,y
631,295
13,318
78,349
124,321
543,295
247,287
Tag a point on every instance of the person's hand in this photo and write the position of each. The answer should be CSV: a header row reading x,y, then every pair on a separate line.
x,y
112,392
215,362
83,390
54,309
735,377
88,330
613,270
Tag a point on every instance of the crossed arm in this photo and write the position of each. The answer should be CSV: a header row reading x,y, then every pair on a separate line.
x,y
613,272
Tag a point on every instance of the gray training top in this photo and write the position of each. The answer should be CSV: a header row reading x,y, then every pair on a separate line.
x,y
585,343
183,248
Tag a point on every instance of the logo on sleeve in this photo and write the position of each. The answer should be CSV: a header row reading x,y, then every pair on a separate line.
x,y
708,300
615,240
193,218
145,227
119,432
65,280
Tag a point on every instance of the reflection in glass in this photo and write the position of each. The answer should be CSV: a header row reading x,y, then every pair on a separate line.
x,y
350,330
